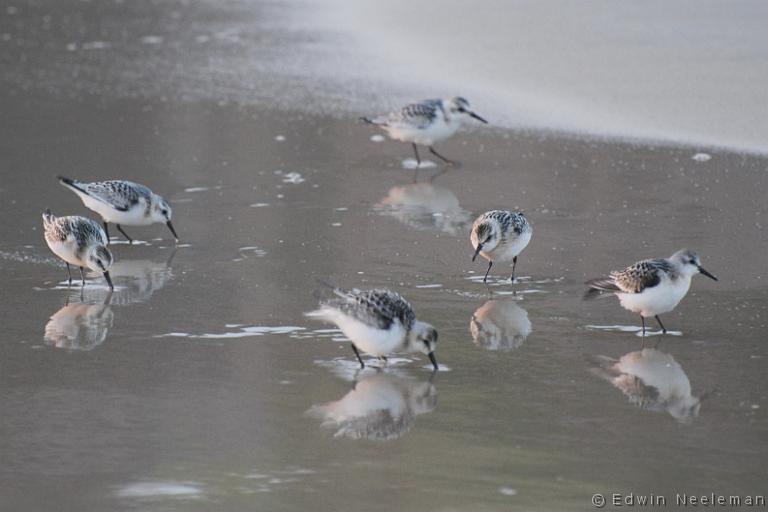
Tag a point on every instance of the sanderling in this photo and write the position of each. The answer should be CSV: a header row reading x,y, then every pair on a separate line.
x,y
426,123
122,202
78,241
500,235
378,322
652,380
651,287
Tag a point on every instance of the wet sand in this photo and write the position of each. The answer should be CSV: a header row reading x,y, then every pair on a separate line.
x,y
199,385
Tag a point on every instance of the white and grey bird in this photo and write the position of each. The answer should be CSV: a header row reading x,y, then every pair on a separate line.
x,y
80,242
651,287
378,322
426,123
500,235
122,203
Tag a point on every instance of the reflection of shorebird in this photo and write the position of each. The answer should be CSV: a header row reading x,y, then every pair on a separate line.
x,y
425,206
140,279
500,235
426,123
378,322
380,407
79,326
137,281
78,241
651,287
122,202
651,380
500,325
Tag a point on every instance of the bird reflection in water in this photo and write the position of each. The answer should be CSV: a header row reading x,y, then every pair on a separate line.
x,y
425,206
500,325
80,325
138,280
86,318
381,406
652,380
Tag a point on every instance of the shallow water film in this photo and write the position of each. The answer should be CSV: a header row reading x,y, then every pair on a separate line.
x,y
199,384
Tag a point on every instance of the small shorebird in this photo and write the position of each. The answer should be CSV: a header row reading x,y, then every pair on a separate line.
x,y
500,235
378,322
122,202
651,287
78,241
426,123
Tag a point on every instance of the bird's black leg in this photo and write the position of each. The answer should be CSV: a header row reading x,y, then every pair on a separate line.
x,y
69,273
357,353
82,275
416,152
643,319
441,157
120,229
514,264
663,329
106,231
490,264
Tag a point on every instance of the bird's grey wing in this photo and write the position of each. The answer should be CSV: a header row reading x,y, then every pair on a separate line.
x,y
417,115
376,308
121,195
519,223
85,230
643,274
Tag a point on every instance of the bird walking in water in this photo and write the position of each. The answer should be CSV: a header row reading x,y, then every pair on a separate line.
x,y
378,322
80,242
651,287
500,235
122,203
426,123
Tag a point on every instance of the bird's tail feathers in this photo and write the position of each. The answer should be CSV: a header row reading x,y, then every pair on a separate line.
x,y
600,287
48,216
70,183
339,292
376,121
323,313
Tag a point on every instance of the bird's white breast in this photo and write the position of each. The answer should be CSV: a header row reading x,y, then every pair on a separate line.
x,y
659,299
438,130
67,251
510,249
371,340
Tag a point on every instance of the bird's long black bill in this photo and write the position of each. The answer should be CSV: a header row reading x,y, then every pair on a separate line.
x,y
475,116
706,273
477,251
170,226
109,280
433,360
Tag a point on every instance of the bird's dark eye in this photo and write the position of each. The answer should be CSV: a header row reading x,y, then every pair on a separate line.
x,y
165,212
